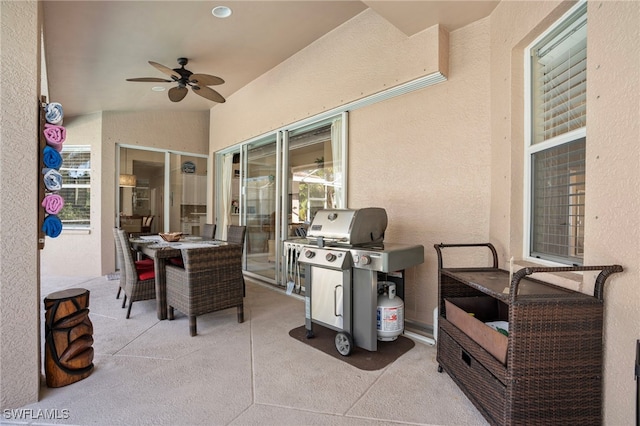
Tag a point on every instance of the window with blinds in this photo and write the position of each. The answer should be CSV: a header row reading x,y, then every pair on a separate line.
x,y
559,76
557,143
76,187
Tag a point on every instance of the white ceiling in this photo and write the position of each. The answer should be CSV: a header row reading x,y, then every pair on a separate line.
x,y
92,47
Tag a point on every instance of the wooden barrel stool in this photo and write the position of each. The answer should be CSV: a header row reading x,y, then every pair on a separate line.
x,y
68,354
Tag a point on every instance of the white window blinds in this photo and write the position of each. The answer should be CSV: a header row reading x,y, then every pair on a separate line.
x,y
559,71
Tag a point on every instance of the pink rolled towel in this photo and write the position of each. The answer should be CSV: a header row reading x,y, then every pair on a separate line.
x,y
53,203
55,136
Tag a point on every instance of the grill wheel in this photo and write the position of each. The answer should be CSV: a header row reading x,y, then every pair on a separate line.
x,y
344,343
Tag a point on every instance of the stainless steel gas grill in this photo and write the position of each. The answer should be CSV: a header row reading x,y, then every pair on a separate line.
x,y
343,253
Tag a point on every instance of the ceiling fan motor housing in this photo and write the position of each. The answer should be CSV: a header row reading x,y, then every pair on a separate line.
x,y
184,73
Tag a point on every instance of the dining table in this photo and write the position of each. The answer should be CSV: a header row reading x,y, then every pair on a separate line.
x,y
155,247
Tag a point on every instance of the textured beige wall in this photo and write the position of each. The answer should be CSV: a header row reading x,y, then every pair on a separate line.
x,y
612,234
447,161
341,67
19,255
613,157
424,157
513,27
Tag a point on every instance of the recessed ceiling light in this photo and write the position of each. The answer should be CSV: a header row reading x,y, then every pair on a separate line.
x,y
158,89
221,12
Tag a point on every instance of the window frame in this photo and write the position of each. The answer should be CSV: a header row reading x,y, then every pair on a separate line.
x,y
531,148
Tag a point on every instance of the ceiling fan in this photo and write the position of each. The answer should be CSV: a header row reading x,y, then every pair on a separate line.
x,y
185,78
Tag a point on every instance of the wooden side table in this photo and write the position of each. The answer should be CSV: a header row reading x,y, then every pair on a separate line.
x,y
68,337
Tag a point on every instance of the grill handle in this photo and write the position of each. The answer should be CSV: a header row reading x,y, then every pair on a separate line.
x,y
335,301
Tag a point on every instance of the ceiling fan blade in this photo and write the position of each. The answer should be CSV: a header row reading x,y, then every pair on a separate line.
x,y
165,70
205,80
151,79
176,94
207,92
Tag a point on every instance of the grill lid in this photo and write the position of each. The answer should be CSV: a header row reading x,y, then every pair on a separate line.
x,y
355,227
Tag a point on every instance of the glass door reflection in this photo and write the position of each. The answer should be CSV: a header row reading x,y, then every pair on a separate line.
x,y
259,206
141,188
316,161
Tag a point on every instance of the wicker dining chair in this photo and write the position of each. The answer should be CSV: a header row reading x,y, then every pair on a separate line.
x,y
146,224
120,261
236,235
140,283
210,281
208,230
140,264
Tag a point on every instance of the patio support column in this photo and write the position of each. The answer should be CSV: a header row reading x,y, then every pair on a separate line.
x,y
20,371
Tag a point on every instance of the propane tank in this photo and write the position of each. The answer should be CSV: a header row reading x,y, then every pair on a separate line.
x,y
390,315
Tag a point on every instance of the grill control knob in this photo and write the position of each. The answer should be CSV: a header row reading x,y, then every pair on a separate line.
x,y
365,259
309,254
331,257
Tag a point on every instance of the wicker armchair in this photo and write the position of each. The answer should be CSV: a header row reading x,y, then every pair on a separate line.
x,y
211,280
140,283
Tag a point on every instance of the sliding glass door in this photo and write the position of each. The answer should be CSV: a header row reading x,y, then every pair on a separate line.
x,y
314,174
161,191
141,189
274,185
258,205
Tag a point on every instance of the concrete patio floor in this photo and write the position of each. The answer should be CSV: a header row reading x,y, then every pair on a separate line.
x,y
151,372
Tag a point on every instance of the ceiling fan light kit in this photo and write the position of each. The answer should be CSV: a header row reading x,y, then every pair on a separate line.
x,y
198,82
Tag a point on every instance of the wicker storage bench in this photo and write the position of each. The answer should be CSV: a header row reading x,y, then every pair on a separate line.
x,y
552,373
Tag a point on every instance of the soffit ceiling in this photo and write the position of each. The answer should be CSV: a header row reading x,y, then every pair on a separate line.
x,y
92,47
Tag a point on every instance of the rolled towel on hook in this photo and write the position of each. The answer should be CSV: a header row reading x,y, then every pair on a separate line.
x,y
52,179
52,226
51,158
53,113
55,136
53,203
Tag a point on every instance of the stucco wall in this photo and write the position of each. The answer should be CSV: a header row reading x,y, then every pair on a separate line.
x,y
612,234
424,157
612,202
447,161
341,67
19,255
